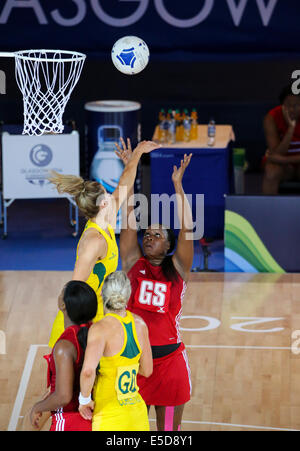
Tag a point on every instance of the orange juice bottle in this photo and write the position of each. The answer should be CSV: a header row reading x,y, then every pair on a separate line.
x,y
186,126
181,127
178,124
194,125
161,126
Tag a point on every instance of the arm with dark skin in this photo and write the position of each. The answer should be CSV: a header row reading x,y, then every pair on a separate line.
x,y
184,253
65,355
130,250
278,149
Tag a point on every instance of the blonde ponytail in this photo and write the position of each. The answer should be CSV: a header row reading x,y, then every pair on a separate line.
x,y
85,193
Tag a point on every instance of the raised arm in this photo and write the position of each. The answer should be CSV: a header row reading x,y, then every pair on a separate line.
x,y
183,256
127,178
130,250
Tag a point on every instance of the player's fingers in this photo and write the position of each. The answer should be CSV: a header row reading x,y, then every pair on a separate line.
x,y
118,147
123,143
118,154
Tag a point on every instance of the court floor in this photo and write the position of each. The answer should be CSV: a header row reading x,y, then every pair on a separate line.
x,y
241,331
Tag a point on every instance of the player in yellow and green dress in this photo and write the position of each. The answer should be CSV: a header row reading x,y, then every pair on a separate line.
x,y
118,348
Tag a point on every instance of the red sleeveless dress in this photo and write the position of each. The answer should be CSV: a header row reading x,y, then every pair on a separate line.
x,y
158,302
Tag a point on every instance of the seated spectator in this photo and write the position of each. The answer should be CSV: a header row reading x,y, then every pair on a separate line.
x,y
282,132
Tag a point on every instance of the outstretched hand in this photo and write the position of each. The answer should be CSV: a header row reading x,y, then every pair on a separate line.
x,y
124,152
178,172
147,146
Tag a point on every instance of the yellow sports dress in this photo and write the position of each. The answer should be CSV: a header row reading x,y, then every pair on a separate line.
x,y
118,404
100,271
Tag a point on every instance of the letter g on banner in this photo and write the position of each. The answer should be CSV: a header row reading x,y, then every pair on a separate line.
x,y
184,23
125,21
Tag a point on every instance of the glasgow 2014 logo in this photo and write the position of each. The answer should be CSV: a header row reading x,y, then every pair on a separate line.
x,y
41,155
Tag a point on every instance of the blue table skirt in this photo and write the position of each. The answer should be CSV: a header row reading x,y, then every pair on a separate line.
x,y
210,173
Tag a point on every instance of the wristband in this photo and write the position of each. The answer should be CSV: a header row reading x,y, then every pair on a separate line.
x,y
84,401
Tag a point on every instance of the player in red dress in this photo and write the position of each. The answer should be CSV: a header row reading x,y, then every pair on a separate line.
x,y
78,302
282,133
158,282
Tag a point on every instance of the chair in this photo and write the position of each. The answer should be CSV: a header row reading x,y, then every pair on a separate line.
x,y
204,243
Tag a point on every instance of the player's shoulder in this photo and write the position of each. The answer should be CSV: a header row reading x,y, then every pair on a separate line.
x,y
92,240
106,323
274,114
139,264
64,348
92,234
139,322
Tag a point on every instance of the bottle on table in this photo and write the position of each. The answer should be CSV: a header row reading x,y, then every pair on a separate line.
x,y
180,128
178,125
161,136
194,124
171,127
211,133
186,126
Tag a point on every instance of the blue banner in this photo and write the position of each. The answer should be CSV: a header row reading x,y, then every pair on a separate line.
x,y
260,239
173,29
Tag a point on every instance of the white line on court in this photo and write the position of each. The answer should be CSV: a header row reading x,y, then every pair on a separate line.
x,y
30,361
23,387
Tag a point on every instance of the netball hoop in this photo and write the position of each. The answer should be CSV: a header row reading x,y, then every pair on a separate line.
x,y
46,79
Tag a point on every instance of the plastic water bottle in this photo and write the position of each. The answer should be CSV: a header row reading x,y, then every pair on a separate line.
x,y
171,127
186,127
211,133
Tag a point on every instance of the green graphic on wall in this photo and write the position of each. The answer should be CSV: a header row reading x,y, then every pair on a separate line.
x,y
244,250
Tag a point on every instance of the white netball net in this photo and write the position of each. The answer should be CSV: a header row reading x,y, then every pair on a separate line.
x,y
46,79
